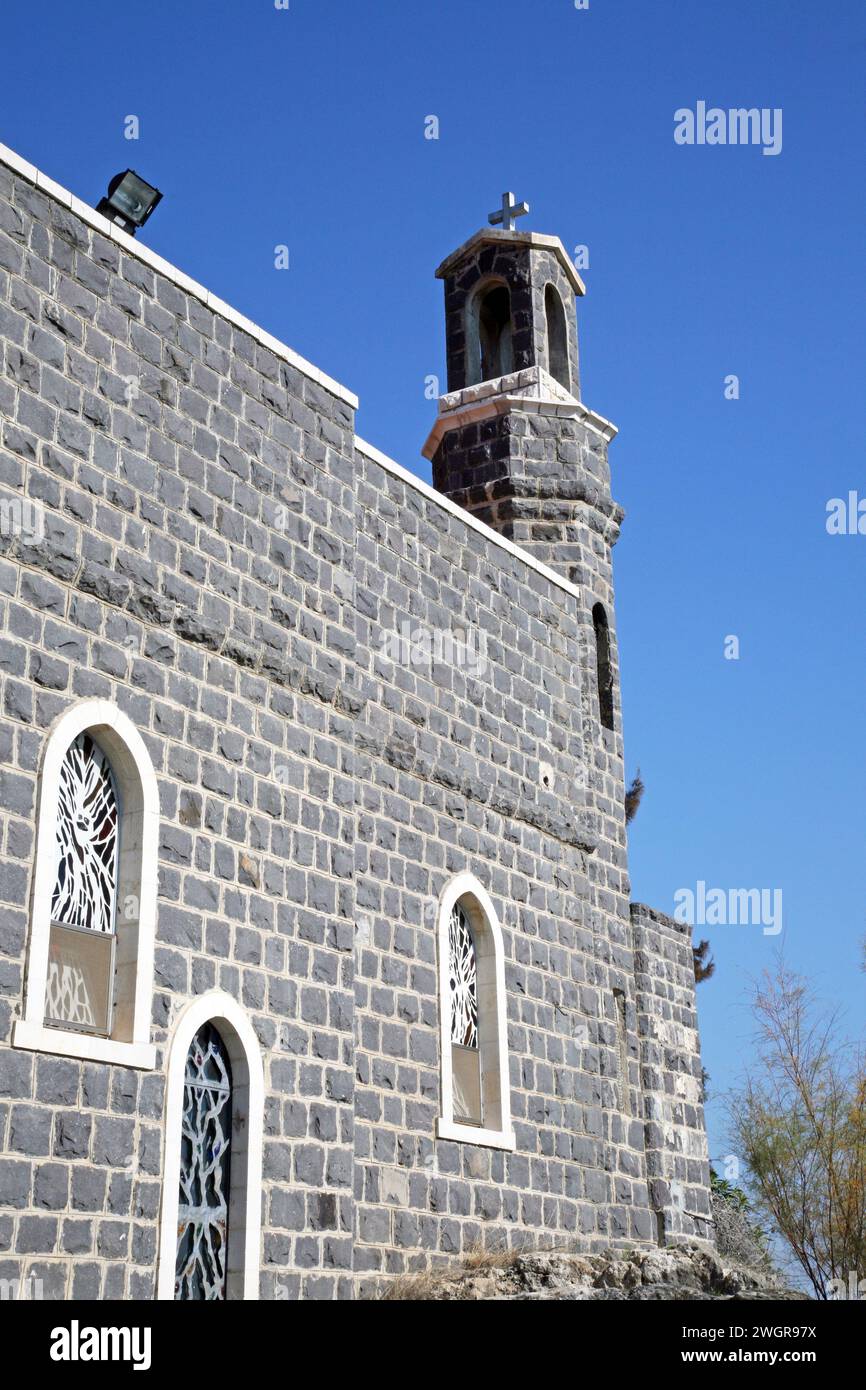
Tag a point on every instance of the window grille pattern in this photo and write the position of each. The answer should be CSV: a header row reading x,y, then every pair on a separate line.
x,y
67,998
463,977
202,1217
86,883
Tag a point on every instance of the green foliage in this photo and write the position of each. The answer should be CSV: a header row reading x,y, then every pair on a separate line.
x,y
738,1201
731,1194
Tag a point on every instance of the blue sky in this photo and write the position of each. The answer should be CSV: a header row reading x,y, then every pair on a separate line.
x,y
305,127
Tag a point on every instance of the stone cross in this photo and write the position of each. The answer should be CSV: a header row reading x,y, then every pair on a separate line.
x,y
508,213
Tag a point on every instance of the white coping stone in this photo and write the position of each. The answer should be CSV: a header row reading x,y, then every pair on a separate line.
x,y
532,390
162,267
507,405
480,526
534,382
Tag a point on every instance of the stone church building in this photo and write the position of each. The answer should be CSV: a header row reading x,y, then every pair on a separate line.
x,y
317,958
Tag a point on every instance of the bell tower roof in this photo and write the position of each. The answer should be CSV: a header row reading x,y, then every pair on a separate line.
x,y
491,236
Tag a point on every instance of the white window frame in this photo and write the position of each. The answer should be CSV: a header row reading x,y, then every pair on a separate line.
x,y
129,1043
245,1182
492,1021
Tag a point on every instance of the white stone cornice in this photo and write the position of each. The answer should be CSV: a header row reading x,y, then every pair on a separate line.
x,y
532,390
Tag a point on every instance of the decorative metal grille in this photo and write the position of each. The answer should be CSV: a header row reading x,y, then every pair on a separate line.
x,y
86,884
464,980
202,1217
67,998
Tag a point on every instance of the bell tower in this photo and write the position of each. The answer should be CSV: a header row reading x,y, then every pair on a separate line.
x,y
515,445
513,441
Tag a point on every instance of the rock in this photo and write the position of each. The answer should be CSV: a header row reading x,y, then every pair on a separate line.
x,y
682,1272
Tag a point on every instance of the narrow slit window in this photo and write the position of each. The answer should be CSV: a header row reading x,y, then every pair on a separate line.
x,y
622,1051
604,672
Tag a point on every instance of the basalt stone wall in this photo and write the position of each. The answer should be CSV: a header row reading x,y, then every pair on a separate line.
x,y
670,1059
547,488
550,492
480,769
195,567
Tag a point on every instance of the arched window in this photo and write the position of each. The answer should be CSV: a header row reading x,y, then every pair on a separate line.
x,y
212,1187
463,992
557,338
80,988
474,1055
489,345
205,1157
90,955
603,668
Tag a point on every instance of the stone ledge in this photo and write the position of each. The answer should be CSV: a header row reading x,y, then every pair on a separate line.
x,y
32,1037
641,915
532,383
546,813
469,1134
507,402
